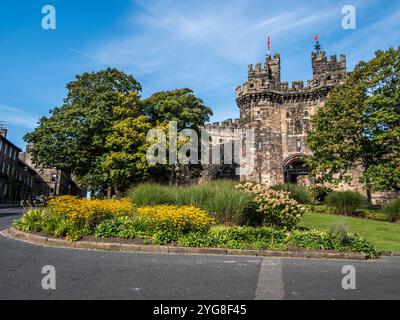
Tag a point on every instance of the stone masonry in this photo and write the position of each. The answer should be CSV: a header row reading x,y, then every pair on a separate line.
x,y
280,114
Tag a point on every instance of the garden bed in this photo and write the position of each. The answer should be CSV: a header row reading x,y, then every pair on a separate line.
x,y
217,215
129,245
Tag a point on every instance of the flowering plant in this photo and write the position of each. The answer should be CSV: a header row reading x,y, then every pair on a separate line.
x,y
179,218
276,206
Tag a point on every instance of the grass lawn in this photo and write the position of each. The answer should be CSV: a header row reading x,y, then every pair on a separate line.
x,y
385,236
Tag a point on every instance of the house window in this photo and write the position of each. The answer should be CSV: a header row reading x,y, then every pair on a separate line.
x,y
54,177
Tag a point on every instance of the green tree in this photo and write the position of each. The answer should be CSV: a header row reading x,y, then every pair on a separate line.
x,y
179,105
74,137
189,111
125,163
359,125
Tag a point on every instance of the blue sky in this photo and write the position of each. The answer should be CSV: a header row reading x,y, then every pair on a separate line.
x,y
205,45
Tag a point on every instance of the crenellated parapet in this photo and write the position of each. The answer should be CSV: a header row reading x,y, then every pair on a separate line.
x,y
327,70
270,72
263,83
224,125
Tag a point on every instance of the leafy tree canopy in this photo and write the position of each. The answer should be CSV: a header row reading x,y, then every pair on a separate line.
x,y
179,105
99,133
74,137
125,162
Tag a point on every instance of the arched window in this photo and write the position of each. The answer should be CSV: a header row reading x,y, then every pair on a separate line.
x,y
297,127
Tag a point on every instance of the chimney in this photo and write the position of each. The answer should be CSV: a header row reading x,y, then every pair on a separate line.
x,y
3,132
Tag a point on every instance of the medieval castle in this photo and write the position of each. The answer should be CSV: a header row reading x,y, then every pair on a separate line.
x,y
279,115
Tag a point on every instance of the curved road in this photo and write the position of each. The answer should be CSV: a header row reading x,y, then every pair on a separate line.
x,y
84,274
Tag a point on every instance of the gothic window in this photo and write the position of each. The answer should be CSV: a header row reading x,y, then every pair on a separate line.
x,y
305,124
298,145
306,114
297,127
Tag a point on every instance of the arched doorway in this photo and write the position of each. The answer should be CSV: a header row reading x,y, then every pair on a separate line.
x,y
294,168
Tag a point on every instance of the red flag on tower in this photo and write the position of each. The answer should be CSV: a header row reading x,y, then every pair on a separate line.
x,y
316,37
269,44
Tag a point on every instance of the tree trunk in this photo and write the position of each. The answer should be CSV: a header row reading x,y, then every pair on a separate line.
x,y
109,192
117,193
369,194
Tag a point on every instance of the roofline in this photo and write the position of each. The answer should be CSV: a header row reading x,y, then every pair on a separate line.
x,y
21,162
10,143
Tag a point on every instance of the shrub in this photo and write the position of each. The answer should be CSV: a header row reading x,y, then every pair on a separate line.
x,y
230,206
322,208
392,209
297,192
179,218
236,237
345,202
276,207
88,212
219,198
72,217
32,220
123,227
56,224
150,194
319,192
330,240
375,214
191,227
163,223
195,196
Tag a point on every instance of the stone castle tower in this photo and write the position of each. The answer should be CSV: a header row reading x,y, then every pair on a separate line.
x,y
280,114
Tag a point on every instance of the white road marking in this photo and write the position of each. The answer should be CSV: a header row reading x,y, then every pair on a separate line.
x,y
270,284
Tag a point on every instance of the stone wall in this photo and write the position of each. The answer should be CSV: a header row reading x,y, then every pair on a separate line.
x,y
220,134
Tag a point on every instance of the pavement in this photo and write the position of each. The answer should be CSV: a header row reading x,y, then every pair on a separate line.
x,y
86,274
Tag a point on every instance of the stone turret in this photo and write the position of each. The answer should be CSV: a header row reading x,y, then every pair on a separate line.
x,y
280,113
271,72
328,71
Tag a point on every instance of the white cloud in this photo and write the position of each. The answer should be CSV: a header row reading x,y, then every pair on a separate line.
x,y
18,117
206,45
202,44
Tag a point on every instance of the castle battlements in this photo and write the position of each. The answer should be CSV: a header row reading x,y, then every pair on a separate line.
x,y
224,125
265,81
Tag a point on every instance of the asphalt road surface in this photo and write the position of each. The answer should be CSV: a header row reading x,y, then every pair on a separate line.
x,y
85,274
